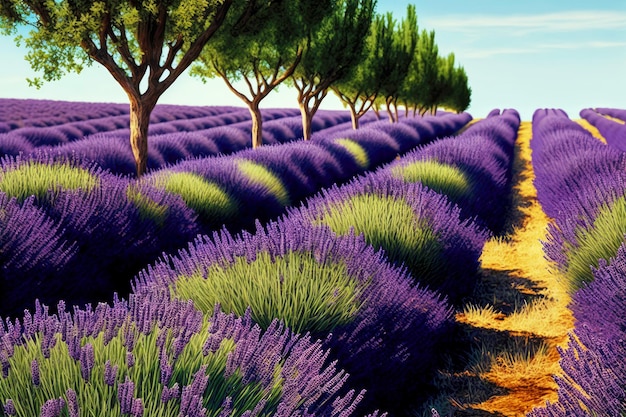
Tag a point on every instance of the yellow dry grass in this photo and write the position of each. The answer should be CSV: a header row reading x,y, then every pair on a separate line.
x,y
517,318
592,129
615,119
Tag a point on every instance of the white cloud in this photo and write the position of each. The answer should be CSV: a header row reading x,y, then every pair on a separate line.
x,y
478,53
570,21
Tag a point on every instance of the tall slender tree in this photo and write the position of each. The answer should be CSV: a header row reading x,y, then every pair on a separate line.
x,y
461,95
332,52
397,59
360,90
264,55
144,44
443,88
418,87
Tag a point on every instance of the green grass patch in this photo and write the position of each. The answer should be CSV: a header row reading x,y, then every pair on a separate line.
x,y
306,294
261,175
356,151
204,197
442,178
390,224
601,241
38,179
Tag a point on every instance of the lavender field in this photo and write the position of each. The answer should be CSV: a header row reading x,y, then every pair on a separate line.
x,y
327,277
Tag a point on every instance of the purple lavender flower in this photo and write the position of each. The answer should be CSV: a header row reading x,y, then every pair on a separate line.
x,y
34,372
130,359
72,403
166,369
9,408
110,373
87,359
169,393
52,408
125,395
137,408
192,395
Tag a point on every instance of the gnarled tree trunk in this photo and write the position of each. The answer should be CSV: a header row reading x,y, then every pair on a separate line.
x,y
140,111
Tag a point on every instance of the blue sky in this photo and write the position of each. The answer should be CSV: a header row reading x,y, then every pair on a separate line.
x,y
518,54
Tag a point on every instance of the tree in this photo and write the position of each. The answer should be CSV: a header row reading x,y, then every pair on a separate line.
x,y
263,55
461,94
444,86
397,59
360,89
331,54
144,44
418,87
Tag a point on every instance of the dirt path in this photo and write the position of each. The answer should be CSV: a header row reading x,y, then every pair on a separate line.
x,y
516,319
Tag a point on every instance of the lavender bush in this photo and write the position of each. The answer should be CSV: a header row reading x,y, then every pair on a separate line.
x,y
612,131
472,169
150,356
382,328
587,243
580,181
416,227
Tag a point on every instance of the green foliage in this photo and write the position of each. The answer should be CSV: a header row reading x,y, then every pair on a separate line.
x,y
204,197
39,179
59,372
307,295
600,241
392,225
418,86
66,34
397,57
360,88
261,175
337,46
356,150
461,95
145,45
443,178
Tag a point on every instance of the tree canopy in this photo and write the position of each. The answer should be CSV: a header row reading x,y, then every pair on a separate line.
x,y
144,44
263,55
331,53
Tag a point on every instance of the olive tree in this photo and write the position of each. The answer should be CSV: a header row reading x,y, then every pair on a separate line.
x,y
144,44
262,55
359,91
332,52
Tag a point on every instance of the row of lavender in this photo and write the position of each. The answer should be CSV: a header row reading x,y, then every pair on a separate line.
x,y
613,131
313,269
25,113
581,185
182,133
75,233
374,319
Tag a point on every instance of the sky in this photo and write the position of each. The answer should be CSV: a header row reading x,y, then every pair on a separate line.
x,y
524,55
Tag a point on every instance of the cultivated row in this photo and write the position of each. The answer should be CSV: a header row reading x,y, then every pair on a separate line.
x,y
95,230
581,185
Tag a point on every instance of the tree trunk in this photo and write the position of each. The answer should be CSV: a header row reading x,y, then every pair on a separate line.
x,y
307,118
390,112
139,122
257,124
354,116
395,110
